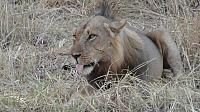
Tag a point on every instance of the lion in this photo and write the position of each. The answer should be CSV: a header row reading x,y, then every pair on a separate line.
x,y
104,43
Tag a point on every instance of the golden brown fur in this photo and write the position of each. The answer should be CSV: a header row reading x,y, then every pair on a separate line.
x,y
104,43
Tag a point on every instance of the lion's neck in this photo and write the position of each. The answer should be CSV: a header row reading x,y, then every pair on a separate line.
x,y
129,50
126,53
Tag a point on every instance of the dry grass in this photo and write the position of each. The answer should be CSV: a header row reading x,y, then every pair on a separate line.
x,y
33,33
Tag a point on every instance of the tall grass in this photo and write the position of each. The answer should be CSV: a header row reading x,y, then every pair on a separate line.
x,y
33,34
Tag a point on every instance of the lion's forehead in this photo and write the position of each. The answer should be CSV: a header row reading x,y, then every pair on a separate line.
x,y
94,25
91,29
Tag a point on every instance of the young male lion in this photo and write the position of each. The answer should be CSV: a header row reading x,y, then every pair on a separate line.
x,y
104,43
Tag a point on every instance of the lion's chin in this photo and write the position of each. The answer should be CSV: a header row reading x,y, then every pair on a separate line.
x,y
87,70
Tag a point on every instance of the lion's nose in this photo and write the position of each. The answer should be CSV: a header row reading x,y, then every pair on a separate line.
x,y
76,55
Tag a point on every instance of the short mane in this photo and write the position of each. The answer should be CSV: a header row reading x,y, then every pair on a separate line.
x,y
107,8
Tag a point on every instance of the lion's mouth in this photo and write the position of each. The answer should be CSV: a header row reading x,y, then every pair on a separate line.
x,y
80,68
85,69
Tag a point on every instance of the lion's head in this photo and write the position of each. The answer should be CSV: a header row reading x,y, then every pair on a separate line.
x,y
97,45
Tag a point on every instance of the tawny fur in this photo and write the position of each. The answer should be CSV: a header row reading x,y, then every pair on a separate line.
x,y
116,47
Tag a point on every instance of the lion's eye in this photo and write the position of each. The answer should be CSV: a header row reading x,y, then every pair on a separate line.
x,y
91,37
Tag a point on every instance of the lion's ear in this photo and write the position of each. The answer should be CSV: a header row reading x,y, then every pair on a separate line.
x,y
115,27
